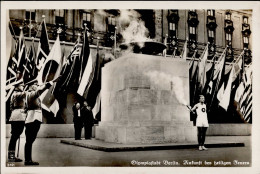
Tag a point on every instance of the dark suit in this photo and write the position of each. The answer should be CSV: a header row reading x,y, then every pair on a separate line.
x,y
78,123
88,119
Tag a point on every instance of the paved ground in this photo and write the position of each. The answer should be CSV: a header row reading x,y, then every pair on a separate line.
x,y
50,152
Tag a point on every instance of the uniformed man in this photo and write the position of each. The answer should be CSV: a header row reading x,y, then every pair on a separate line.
x,y
17,119
33,119
88,120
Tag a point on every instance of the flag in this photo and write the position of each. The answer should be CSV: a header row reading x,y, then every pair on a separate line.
x,y
243,96
247,108
202,69
43,46
209,83
69,75
224,95
51,70
12,66
97,108
90,84
216,78
9,38
16,63
191,62
30,66
85,54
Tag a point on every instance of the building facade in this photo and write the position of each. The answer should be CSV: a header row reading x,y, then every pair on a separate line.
x,y
220,28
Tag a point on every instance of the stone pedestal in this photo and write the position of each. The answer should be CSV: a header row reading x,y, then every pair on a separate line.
x,y
142,100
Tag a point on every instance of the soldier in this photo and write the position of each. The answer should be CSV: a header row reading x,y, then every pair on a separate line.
x,y
17,120
33,119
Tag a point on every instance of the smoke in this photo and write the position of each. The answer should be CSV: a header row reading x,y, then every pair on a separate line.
x,y
135,32
133,28
129,24
175,83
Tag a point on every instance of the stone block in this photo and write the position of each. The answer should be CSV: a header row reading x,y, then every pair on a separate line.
x,y
139,112
121,112
133,134
136,81
162,113
121,134
165,97
170,134
111,134
107,112
100,132
144,95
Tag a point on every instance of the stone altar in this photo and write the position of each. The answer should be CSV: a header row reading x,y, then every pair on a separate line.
x,y
143,100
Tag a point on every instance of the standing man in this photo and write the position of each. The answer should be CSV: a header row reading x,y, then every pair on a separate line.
x,y
34,119
17,120
77,119
201,122
87,120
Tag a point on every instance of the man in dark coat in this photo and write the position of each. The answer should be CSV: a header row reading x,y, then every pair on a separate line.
x,y
17,119
77,119
88,120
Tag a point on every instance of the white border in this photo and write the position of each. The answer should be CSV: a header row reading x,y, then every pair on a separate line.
x,y
138,5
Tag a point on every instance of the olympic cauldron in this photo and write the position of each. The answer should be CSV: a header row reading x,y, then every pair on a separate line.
x,y
139,100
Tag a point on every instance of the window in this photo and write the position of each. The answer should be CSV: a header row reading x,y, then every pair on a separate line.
x,y
228,36
245,20
246,40
86,19
111,21
228,16
211,12
211,34
172,26
192,30
59,17
30,14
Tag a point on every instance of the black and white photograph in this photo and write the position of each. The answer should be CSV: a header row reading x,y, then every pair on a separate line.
x,y
132,86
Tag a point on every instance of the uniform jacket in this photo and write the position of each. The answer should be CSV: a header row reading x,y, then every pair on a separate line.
x,y
17,106
34,105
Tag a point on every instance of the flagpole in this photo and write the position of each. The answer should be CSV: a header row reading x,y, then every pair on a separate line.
x,y
115,42
30,23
